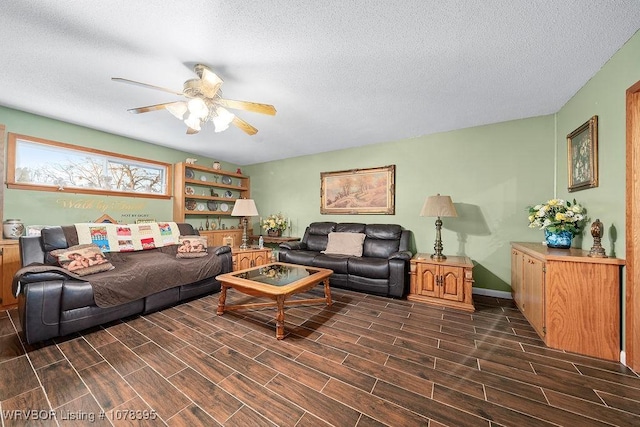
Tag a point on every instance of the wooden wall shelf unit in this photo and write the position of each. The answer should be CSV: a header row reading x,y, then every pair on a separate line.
x,y
571,300
9,265
445,283
201,180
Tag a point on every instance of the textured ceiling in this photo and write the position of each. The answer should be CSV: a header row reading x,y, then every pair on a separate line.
x,y
340,73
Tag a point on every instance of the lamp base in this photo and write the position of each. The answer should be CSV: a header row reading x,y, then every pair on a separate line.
x,y
245,238
437,247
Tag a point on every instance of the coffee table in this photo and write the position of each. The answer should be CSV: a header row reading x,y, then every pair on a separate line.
x,y
276,281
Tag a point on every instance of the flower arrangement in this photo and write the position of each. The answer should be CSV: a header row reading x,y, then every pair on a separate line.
x,y
274,222
557,215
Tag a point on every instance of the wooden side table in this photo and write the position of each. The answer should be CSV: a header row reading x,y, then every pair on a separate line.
x,y
445,283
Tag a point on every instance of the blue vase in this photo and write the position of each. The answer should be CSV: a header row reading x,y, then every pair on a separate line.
x,y
560,239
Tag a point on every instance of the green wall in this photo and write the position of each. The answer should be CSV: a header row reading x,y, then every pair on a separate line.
x,y
491,172
605,96
48,208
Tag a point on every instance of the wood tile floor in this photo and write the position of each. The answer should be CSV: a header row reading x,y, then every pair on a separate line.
x,y
365,361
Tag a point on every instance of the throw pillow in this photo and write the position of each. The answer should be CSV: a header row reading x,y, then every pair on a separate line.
x,y
192,247
82,259
345,244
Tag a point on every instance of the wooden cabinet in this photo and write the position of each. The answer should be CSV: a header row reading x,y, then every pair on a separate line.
x,y
446,283
570,299
9,264
201,192
252,257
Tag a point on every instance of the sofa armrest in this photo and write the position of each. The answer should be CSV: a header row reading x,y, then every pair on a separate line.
x,y
36,272
293,246
222,250
398,277
403,255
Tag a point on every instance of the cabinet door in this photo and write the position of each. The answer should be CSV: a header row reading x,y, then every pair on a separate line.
x,y
534,293
451,283
245,260
426,283
516,278
261,258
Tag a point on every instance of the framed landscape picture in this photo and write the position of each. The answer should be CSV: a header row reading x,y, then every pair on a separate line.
x,y
582,156
358,191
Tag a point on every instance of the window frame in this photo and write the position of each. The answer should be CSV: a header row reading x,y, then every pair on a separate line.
x,y
11,169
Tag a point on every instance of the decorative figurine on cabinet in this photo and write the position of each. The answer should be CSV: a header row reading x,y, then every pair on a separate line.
x,y
597,251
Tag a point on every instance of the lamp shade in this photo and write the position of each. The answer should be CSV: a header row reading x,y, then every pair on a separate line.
x,y
438,206
244,207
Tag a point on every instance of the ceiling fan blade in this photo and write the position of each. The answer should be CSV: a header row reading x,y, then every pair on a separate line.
x,y
153,107
191,131
132,82
248,106
246,127
211,82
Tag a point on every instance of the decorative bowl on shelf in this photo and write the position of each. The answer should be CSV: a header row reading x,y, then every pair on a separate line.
x,y
226,180
213,206
189,174
190,205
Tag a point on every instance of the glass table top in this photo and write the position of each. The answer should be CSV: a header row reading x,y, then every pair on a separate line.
x,y
276,274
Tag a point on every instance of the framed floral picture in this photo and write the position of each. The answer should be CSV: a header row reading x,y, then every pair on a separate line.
x,y
358,191
582,156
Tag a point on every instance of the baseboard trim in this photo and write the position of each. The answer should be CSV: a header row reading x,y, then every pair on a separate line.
x,y
492,293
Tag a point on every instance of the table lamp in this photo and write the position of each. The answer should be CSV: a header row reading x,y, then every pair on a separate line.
x,y
244,208
438,206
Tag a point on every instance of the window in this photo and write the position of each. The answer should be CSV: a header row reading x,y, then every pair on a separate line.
x,y
40,164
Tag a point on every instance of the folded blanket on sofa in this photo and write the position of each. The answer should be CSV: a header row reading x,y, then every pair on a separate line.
x,y
128,237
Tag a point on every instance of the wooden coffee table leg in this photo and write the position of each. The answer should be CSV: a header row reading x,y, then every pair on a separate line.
x,y
327,291
280,317
221,300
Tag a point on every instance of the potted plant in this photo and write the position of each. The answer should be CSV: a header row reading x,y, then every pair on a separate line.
x,y
274,224
560,220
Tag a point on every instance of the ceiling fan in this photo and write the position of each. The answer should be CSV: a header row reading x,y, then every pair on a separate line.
x,y
204,103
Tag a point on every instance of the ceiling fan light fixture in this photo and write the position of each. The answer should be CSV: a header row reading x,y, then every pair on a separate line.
x,y
193,122
177,109
197,107
223,119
